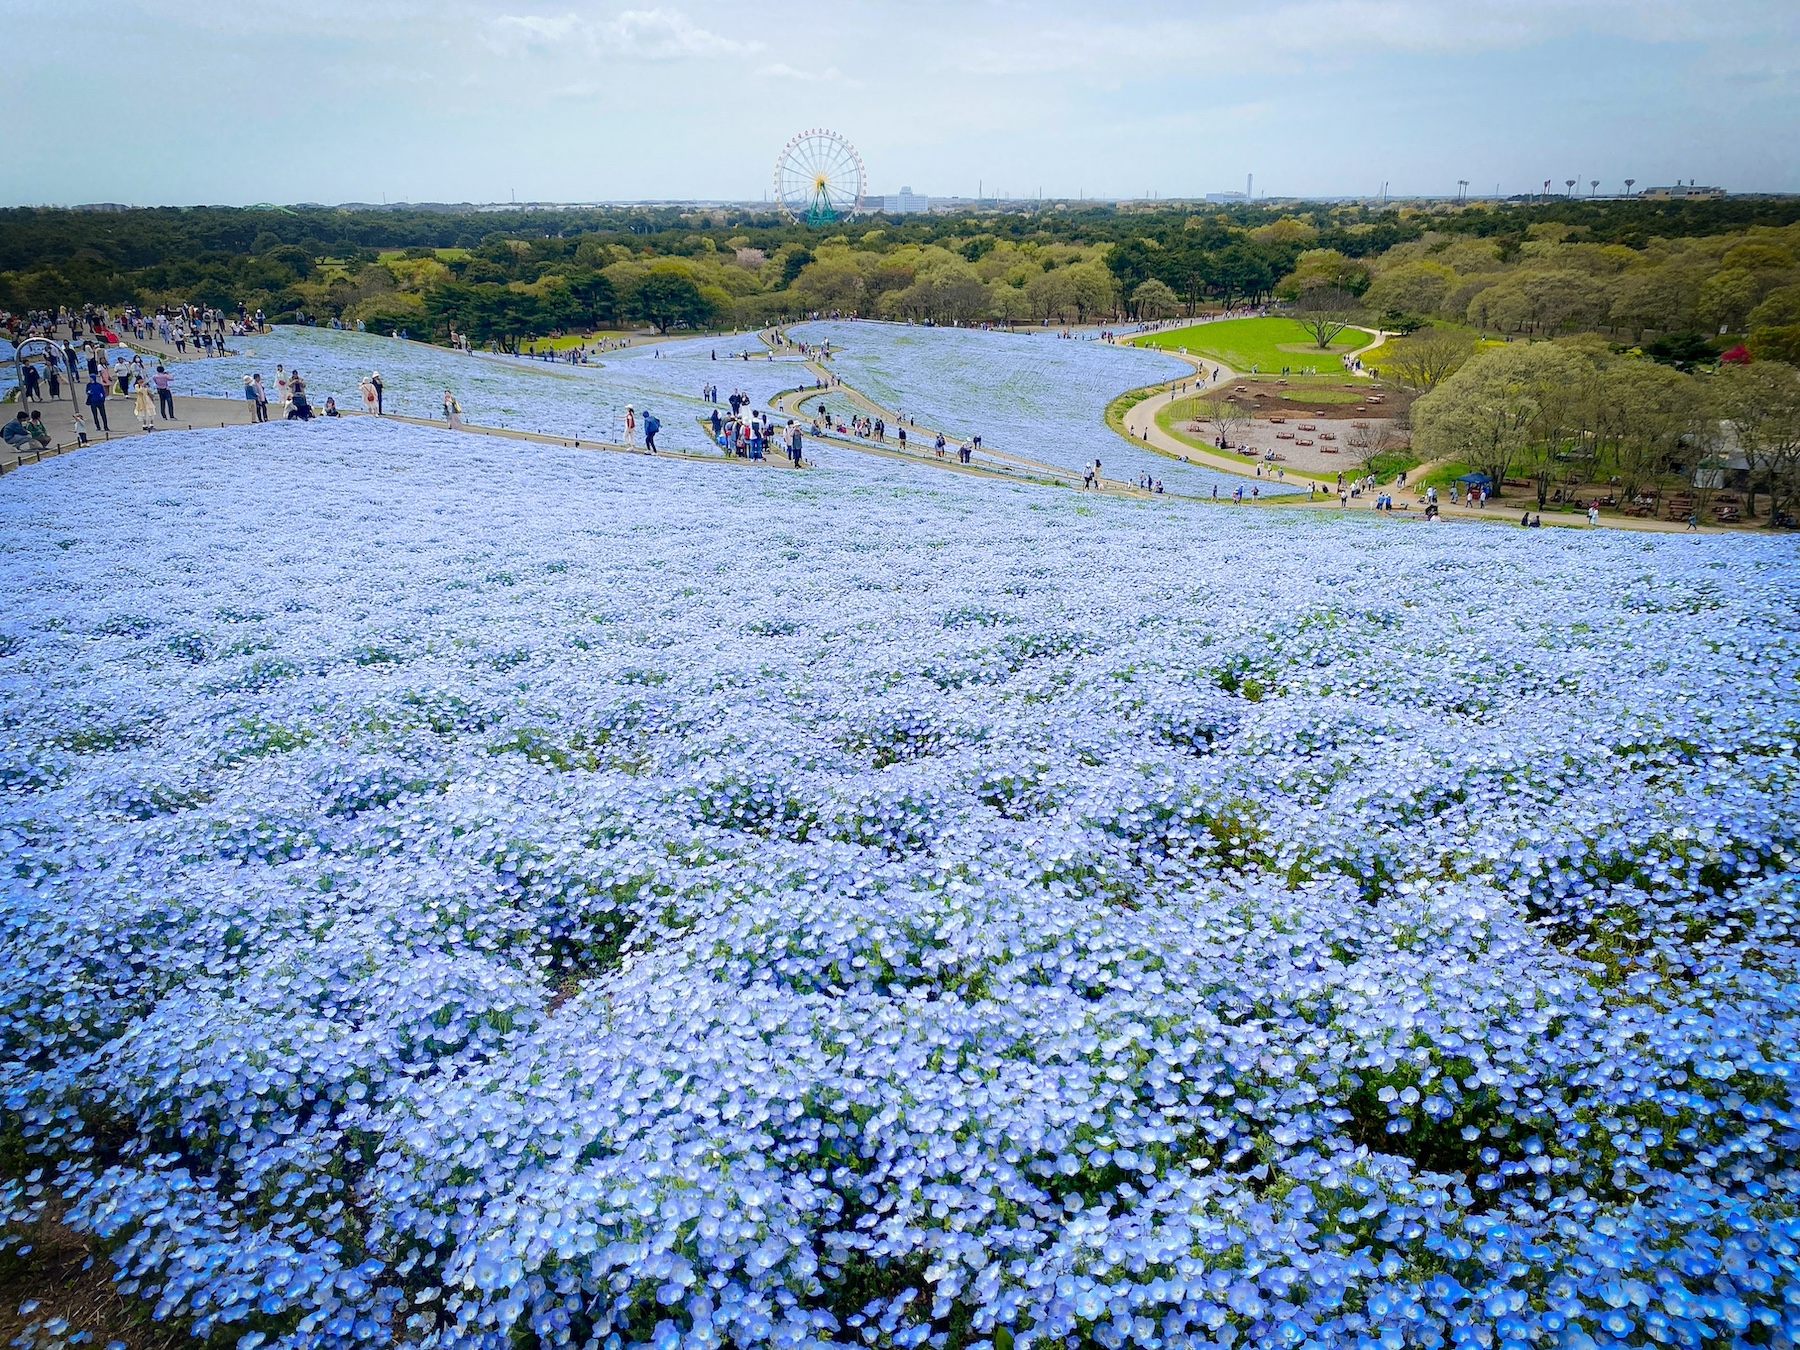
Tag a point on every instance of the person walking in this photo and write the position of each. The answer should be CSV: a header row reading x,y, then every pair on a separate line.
x,y
165,392
30,392
96,402
262,398
651,427
250,398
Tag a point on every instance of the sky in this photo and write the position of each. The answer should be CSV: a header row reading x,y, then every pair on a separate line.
x,y
240,101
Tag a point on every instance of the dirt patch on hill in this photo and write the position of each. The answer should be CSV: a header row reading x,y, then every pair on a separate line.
x,y
1266,399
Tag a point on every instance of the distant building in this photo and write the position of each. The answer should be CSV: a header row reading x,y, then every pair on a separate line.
x,y
905,202
1682,192
1222,198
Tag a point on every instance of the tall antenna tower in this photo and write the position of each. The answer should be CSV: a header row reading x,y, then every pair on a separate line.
x,y
1249,187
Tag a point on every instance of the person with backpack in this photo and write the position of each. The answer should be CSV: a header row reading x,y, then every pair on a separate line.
x,y
651,427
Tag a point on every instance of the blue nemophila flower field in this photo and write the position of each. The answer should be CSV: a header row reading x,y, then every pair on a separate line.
x,y
1031,394
466,895
507,391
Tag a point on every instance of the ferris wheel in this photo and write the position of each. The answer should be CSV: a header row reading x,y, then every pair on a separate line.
x,y
819,177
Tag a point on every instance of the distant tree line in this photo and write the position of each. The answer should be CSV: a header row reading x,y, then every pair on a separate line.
x,y
502,275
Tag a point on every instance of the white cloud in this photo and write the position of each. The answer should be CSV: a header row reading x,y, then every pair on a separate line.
x,y
633,34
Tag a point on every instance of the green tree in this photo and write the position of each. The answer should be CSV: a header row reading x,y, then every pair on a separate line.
x,y
1762,403
1644,414
1324,312
1153,300
1490,412
1726,299
1423,360
1411,288
1780,342
1240,271
1777,309
669,300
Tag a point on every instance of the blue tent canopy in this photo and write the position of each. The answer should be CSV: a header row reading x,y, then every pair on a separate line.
x,y
1480,480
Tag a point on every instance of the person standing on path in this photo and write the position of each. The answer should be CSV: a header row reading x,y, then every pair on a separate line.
x,y
262,398
165,392
142,405
96,401
380,389
630,426
29,394
651,427
452,410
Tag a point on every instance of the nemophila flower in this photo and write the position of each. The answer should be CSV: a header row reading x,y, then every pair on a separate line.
x,y
456,896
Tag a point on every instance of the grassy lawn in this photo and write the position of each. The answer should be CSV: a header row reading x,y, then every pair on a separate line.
x,y
444,255
1124,403
1444,475
1268,344
1392,462
569,340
